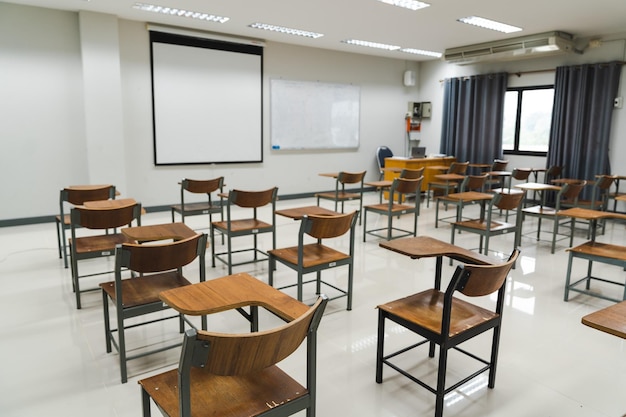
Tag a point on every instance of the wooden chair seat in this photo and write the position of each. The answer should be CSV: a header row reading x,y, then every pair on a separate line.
x,y
395,209
213,395
145,290
314,255
243,225
342,195
100,243
494,226
195,208
425,309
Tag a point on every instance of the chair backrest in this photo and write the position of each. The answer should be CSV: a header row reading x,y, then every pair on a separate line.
x,y
604,182
499,164
405,186
382,152
79,194
481,280
553,172
458,168
474,183
202,186
105,218
253,199
412,173
148,258
520,174
351,177
569,192
507,201
241,354
325,227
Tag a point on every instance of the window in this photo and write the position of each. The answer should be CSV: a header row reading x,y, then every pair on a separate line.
x,y
527,120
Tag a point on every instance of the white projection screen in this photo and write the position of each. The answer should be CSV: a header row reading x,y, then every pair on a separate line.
x,y
207,100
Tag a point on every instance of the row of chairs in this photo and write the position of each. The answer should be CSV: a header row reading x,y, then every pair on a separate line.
x,y
211,363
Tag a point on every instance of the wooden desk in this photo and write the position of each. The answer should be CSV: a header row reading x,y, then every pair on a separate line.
x,y
394,165
610,320
233,292
296,213
428,247
329,174
165,231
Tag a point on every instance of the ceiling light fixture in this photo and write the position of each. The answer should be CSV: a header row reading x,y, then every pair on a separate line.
x,y
407,4
288,31
421,52
371,44
180,12
489,24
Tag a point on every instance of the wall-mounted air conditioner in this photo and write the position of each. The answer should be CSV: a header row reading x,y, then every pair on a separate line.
x,y
531,46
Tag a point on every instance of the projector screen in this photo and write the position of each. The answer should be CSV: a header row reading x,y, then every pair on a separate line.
x,y
207,100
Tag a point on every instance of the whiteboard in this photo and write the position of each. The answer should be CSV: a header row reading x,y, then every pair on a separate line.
x,y
314,115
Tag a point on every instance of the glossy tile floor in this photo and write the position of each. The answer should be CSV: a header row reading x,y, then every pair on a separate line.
x,y
54,363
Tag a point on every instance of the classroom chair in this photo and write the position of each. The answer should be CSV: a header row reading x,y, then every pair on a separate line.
x,y
444,320
340,195
150,269
237,375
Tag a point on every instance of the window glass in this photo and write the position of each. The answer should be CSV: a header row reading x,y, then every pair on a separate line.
x,y
535,120
527,120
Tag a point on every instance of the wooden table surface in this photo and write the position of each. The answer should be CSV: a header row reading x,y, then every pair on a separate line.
x,y
296,213
231,292
467,196
165,231
610,320
537,186
428,247
588,214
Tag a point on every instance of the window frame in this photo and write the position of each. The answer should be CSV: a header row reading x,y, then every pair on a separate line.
x,y
520,97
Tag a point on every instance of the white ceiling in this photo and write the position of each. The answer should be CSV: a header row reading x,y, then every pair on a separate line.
x,y
434,28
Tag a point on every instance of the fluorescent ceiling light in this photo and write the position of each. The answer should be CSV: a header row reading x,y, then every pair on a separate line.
x,y
407,4
489,24
421,52
288,31
371,44
172,11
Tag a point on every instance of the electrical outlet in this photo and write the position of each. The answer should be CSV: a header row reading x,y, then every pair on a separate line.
x,y
618,102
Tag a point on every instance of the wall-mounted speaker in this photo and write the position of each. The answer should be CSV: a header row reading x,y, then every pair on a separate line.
x,y
409,78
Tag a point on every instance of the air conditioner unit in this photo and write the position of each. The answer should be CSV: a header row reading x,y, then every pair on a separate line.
x,y
532,46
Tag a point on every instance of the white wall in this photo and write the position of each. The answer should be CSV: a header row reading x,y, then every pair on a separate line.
x,y
55,117
45,46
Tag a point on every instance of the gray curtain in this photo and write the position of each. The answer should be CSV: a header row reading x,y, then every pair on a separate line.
x,y
581,119
472,117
